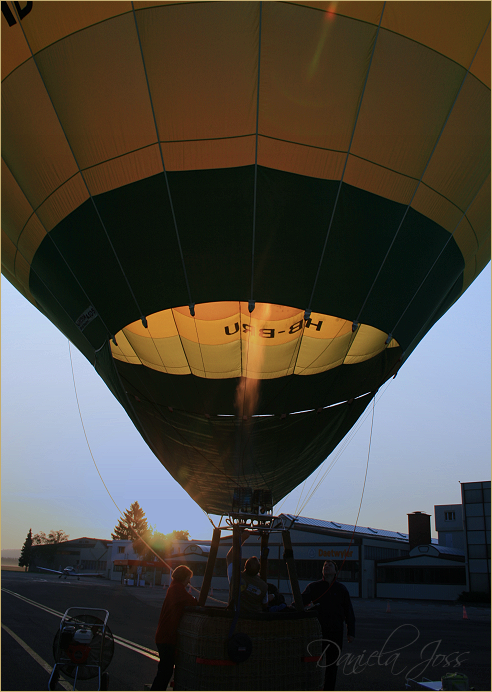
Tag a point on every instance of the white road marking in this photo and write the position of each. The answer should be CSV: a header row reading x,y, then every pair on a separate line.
x,y
37,658
126,643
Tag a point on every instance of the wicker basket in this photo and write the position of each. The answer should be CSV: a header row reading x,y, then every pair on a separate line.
x,y
284,656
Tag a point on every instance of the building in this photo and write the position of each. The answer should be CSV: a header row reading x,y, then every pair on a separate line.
x,y
372,562
432,572
91,554
449,526
356,550
475,499
128,565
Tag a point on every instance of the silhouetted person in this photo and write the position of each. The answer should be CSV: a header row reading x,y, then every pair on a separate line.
x,y
334,607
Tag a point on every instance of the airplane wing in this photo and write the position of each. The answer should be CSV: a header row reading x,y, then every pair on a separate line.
x,y
55,571
87,574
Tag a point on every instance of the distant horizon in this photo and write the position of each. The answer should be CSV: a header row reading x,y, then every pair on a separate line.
x,y
15,552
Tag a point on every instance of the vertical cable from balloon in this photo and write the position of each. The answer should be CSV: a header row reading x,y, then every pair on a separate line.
x,y
346,159
99,473
423,172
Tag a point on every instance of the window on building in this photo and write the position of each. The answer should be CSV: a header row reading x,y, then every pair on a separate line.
x,y
93,564
372,552
311,570
449,516
421,575
121,548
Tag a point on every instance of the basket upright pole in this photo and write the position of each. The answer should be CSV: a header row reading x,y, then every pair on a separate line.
x,y
236,566
291,569
209,570
264,550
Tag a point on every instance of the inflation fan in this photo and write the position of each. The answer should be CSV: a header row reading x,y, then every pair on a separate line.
x,y
83,647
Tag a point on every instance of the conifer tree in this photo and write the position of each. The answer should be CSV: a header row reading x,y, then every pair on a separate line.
x,y
134,518
25,556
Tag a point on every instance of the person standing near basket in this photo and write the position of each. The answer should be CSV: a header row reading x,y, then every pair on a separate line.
x,y
333,607
254,595
177,598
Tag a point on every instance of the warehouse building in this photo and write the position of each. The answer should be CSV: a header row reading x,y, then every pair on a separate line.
x,y
89,554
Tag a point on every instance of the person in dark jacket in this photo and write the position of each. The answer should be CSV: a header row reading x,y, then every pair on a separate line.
x,y
254,591
177,598
334,607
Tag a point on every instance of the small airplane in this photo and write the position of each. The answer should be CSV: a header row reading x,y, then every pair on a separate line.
x,y
70,572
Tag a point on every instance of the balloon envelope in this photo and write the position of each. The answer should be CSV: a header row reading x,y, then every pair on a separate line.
x,y
246,215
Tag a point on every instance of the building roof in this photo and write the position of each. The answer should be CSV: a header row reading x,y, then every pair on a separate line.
x,y
76,541
306,522
441,549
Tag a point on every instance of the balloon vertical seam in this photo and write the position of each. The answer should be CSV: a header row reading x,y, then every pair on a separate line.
x,y
31,268
347,156
162,157
256,155
450,237
78,167
424,170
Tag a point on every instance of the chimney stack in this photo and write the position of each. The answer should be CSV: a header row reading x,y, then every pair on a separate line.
x,y
419,531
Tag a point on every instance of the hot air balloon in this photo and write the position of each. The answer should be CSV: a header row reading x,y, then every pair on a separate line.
x,y
246,215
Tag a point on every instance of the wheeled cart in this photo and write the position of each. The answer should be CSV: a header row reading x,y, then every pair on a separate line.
x,y
83,647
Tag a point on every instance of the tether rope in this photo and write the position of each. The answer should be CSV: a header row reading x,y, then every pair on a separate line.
x,y
122,514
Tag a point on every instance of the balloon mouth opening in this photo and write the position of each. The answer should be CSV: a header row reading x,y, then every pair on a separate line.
x,y
224,340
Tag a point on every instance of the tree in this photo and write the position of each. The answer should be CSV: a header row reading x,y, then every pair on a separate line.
x,y
52,540
53,537
25,556
153,541
134,518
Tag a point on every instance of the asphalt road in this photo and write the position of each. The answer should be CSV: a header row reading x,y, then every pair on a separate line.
x,y
414,639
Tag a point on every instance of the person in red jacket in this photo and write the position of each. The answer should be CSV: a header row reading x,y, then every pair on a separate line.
x,y
177,598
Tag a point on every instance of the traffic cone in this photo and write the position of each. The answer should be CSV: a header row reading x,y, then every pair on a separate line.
x,y
465,616
388,609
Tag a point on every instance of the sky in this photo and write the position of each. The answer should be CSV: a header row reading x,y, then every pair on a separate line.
x,y
78,473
